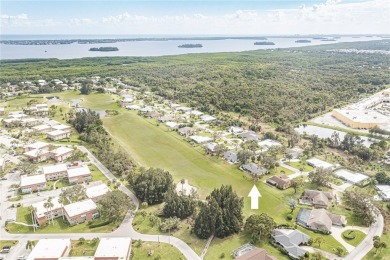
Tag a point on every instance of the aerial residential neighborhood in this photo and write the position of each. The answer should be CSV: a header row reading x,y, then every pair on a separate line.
x,y
199,130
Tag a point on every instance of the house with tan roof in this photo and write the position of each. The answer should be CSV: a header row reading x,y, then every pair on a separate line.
x,y
316,198
319,219
280,181
57,135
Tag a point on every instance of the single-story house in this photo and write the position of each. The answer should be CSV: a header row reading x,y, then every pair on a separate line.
x,y
295,152
55,171
290,240
231,156
57,135
81,211
185,131
117,248
61,153
207,118
280,181
146,109
254,169
383,192
319,219
43,214
50,249
211,146
194,113
235,130
96,192
166,118
133,107
267,143
184,109
316,198
249,136
317,163
29,122
79,174
250,252
171,124
201,139
353,178
38,109
31,183
153,114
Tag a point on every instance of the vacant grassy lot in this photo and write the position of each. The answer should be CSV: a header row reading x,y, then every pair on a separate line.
x,y
8,243
357,240
87,248
156,250
300,165
59,226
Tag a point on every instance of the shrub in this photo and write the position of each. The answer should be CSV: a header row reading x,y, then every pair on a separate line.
x,y
289,217
349,235
99,224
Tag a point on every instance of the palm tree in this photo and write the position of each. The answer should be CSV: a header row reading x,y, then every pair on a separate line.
x,y
49,205
182,181
32,210
61,200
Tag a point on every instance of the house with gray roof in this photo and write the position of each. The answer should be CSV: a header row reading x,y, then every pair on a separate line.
x,y
249,136
186,131
231,156
290,240
254,169
319,219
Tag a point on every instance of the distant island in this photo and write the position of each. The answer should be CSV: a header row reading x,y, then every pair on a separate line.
x,y
104,49
190,45
303,41
264,43
328,40
319,38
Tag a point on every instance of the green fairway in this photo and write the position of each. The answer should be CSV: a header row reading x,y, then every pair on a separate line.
x,y
152,146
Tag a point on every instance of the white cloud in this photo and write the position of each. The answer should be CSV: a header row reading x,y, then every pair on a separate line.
x,y
331,16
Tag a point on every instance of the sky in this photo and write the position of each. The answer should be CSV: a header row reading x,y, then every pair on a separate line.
x,y
197,17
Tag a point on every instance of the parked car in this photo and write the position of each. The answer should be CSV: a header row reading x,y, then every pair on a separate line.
x,y
6,249
3,179
22,257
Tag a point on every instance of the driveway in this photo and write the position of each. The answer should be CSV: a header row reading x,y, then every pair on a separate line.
x,y
337,234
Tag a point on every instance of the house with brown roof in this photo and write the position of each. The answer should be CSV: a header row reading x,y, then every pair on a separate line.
x,y
316,198
280,181
250,252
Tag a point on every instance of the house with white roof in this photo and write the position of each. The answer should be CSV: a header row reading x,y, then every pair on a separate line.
x,y
171,124
383,192
42,128
38,109
62,127
117,248
353,178
79,174
31,183
81,211
50,249
207,118
42,214
55,171
201,139
61,153
235,130
96,192
58,135
37,155
37,145
267,143
317,163
2,111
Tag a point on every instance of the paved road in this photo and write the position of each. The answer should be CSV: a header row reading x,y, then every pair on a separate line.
x,y
125,229
366,245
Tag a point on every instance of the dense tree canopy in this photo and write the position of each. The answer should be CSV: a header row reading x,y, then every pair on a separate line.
x,y
362,205
259,226
221,214
178,206
114,205
152,185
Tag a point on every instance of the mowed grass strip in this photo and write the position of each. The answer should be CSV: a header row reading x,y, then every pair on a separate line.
x,y
152,146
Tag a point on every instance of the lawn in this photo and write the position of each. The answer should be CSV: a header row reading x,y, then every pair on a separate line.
x,y
329,242
281,170
8,243
87,248
299,165
59,226
157,250
357,240
380,254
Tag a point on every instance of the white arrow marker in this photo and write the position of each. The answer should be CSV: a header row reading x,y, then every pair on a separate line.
x,y
254,194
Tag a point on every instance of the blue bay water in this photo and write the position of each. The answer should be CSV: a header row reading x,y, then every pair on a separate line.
x,y
145,48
